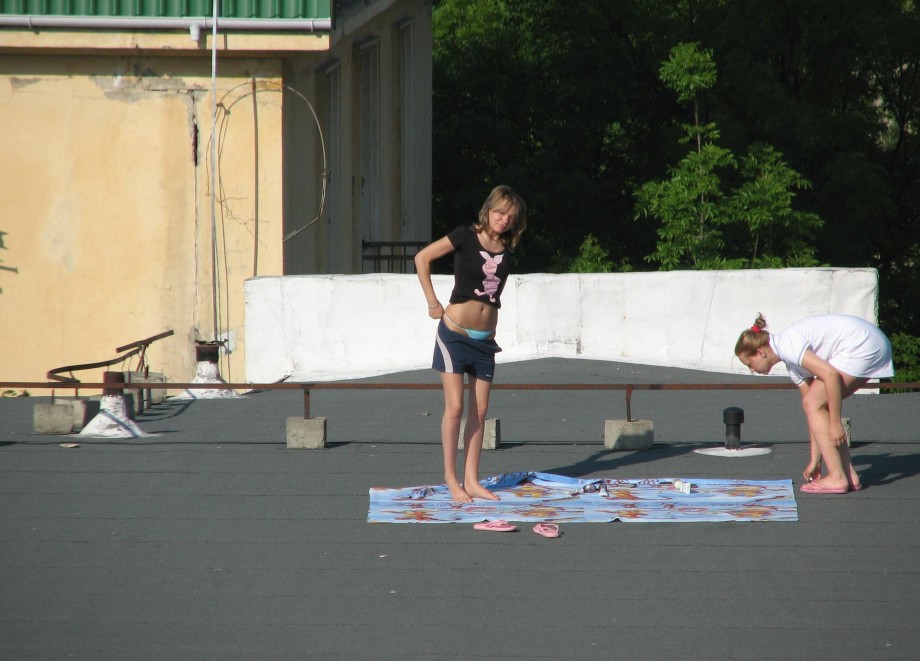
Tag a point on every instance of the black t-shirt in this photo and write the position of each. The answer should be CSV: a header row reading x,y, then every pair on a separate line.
x,y
479,274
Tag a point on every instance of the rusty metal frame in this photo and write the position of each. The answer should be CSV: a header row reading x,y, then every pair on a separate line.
x,y
628,388
133,349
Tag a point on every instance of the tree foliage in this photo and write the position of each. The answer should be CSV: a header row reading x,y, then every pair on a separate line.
x,y
906,349
565,100
695,209
592,258
774,234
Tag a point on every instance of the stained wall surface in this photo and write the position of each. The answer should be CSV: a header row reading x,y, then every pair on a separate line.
x,y
107,214
143,182
315,328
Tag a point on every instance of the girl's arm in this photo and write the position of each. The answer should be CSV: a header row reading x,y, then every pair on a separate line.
x,y
423,260
833,386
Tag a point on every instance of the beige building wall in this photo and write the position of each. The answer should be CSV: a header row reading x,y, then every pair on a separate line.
x,y
109,234
327,233
107,213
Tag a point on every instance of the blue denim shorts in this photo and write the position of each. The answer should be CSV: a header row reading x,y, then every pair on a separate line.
x,y
455,353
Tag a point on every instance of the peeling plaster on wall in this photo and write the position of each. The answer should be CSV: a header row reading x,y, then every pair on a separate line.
x,y
192,99
132,90
18,83
136,79
197,137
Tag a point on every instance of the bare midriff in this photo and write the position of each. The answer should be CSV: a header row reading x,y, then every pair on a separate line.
x,y
471,314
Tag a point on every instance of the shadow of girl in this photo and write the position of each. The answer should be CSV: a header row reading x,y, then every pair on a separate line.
x,y
886,467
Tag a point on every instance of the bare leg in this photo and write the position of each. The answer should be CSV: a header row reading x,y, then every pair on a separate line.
x,y
850,385
479,391
852,474
450,433
836,458
813,469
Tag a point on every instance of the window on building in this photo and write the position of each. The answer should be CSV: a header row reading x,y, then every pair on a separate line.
x,y
370,142
334,212
407,128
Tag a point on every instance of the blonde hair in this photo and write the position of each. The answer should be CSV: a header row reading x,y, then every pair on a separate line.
x,y
753,338
499,197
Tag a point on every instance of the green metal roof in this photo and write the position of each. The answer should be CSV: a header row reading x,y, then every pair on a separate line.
x,y
239,9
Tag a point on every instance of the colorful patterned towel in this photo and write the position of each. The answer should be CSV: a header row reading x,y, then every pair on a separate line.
x,y
533,497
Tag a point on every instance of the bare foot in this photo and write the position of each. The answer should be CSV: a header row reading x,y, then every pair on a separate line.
x,y
476,490
825,483
459,494
812,471
855,484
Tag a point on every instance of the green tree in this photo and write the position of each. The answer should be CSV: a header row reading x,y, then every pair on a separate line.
x,y
775,234
552,98
692,207
906,350
563,99
592,258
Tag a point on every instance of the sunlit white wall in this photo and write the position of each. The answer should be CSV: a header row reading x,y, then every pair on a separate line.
x,y
323,328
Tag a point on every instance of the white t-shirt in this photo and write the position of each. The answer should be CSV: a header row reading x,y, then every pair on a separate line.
x,y
851,344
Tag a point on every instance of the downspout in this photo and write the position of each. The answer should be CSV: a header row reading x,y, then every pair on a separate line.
x,y
214,4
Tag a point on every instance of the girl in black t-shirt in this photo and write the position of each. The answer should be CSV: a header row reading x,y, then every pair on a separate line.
x,y
465,342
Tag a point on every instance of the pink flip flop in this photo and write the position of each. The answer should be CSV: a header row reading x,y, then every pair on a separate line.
x,y
814,487
495,526
546,529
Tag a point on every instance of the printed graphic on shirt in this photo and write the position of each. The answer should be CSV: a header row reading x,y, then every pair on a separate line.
x,y
490,283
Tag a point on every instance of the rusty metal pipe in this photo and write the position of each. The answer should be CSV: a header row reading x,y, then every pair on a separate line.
x,y
307,387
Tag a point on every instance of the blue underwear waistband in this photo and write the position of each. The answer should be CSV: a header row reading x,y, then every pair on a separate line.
x,y
472,333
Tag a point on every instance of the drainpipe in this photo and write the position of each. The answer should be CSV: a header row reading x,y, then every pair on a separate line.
x,y
194,25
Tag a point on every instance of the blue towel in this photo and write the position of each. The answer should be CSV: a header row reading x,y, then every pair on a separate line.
x,y
535,497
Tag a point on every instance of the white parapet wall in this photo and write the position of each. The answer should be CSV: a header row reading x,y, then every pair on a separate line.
x,y
330,327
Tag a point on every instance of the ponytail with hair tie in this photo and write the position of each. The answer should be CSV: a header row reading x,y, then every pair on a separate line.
x,y
753,338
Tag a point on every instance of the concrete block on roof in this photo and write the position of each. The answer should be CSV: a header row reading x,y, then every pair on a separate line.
x,y
145,398
64,416
491,435
306,433
629,434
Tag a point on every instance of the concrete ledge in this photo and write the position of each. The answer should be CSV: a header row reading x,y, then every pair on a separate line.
x,y
600,316
67,415
145,398
629,434
306,433
57,418
491,435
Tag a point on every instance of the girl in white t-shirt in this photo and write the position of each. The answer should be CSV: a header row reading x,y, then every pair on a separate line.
x,y
829,357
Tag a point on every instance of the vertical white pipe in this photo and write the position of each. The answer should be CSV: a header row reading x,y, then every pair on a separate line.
x,y
215,5
255,213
